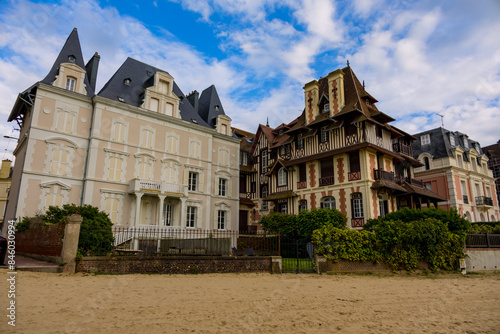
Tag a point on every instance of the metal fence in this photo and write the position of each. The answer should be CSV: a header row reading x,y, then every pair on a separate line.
x,y
156,240
484,240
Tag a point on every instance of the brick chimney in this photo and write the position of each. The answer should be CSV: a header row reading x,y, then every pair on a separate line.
x,y
311,92
336,91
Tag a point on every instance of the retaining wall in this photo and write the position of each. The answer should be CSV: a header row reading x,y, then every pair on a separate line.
x,y
482,259
43,240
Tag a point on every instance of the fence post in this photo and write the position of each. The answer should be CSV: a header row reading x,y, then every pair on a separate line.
x,y
70,243
487,240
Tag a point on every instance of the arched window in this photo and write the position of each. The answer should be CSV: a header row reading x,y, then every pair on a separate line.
x,y
302,205
328,202
426,163
282,177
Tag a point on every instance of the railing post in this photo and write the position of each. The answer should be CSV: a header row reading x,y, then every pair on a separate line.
x,y
487,240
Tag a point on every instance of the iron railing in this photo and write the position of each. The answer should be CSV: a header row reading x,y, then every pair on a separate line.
x,y
168,240
484,240
483,200
466,199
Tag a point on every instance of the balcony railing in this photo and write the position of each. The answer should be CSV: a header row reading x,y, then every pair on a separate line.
x,y
326,181
402,148
247,195
382,175
154,186
357,222
302,185
483,200
466,199
354,176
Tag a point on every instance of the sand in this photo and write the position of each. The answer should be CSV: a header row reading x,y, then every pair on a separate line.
x,y
253,303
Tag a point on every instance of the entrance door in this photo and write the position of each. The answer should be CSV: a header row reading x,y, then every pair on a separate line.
x,y
243,221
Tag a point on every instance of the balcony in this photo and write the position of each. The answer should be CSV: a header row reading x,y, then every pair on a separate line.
x,y
382,175
354,176
402,148
302,185
326,181
466,199
484,201
157,187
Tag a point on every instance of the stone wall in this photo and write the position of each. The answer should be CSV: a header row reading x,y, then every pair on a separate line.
x,y
176,264
43,240
482,259
326,266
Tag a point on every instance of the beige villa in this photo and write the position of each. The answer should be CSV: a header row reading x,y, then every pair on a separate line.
x,y
140,149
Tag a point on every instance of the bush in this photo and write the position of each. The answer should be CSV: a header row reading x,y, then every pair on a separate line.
x,y
485,227
96,237
303,224
453,220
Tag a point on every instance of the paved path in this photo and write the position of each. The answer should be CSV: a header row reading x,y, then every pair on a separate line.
x,y
29,264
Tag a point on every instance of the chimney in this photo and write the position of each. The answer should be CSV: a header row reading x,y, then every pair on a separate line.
x,y
193,99
91,68
5,170
311,91
336,91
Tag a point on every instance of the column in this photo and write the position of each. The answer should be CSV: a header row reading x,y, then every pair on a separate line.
x,y
161,201
138,197
183,211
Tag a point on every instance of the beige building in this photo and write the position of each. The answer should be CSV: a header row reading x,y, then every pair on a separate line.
x,y
140,149
455,167
5,179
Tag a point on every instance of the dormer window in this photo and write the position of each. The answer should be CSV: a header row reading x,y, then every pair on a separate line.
x,y
466,143
217,107
452,141
425,139
149,73
121,99
367,102
70,84
71,59
127,81
194,121
326,107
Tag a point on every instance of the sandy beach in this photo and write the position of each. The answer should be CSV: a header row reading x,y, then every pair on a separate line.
x,y
253,303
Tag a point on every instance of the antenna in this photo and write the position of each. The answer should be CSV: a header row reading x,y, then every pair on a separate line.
x,y
442,121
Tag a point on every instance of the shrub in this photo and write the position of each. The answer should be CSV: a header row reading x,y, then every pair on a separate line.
x,y
486,227
303,224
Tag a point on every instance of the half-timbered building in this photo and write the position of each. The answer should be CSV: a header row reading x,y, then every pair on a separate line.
x,y
341,152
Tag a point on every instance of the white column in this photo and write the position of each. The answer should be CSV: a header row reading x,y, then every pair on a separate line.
x,y
138,197
183,212
161,201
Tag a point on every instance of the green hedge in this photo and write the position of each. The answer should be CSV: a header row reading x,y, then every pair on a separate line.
x,y
485,227
401,244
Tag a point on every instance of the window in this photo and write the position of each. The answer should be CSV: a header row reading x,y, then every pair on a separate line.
x,y
282,177
460,160
172,144
302,173
169,109
70,84
223,157
452,141
466,143
144,168
357,205
168,214
326,107
65,121
127,81
119,132
192,181
302,205
264,161
300,141
283,208
191,216
328,202
53,198
243,158
147,138
194,150
222,187
264,193
163,87
425,139
426,163
224,129
115,169
59,162
112,209
253,187
428,185
153,105
221,219
324,135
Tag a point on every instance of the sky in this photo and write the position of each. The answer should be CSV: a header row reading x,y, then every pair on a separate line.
x,y
419,59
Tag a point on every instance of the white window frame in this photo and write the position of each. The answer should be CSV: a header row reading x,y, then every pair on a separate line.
x,y
358,208
221,219
323,134
191,216
193,181
452,141
265,204
425,139
264,161
302,205
223,187
168,214
328,202
71,84
300,141
282,177
243,158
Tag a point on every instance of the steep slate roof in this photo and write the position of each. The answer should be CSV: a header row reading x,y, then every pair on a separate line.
x,y
70,48
209,105
440,146
142,76
492,150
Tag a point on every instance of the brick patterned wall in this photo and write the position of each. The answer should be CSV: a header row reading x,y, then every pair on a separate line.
x,y
340,169
312,175
174,264
44,240
343,206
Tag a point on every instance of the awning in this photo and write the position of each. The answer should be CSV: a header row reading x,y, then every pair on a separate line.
x,y
411,189
284,194
390,185
246,201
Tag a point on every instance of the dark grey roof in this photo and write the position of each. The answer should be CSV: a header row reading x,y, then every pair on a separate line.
x,y
209,106
70,48
440,146
141,76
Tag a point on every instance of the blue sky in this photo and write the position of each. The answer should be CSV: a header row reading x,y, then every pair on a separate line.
x,y
418,58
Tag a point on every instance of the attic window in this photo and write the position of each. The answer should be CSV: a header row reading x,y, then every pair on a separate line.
x,y
452,141
71,58
326,107
121,99
367,102
149,73
217,107
425,139
466,143
127,81
194,121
